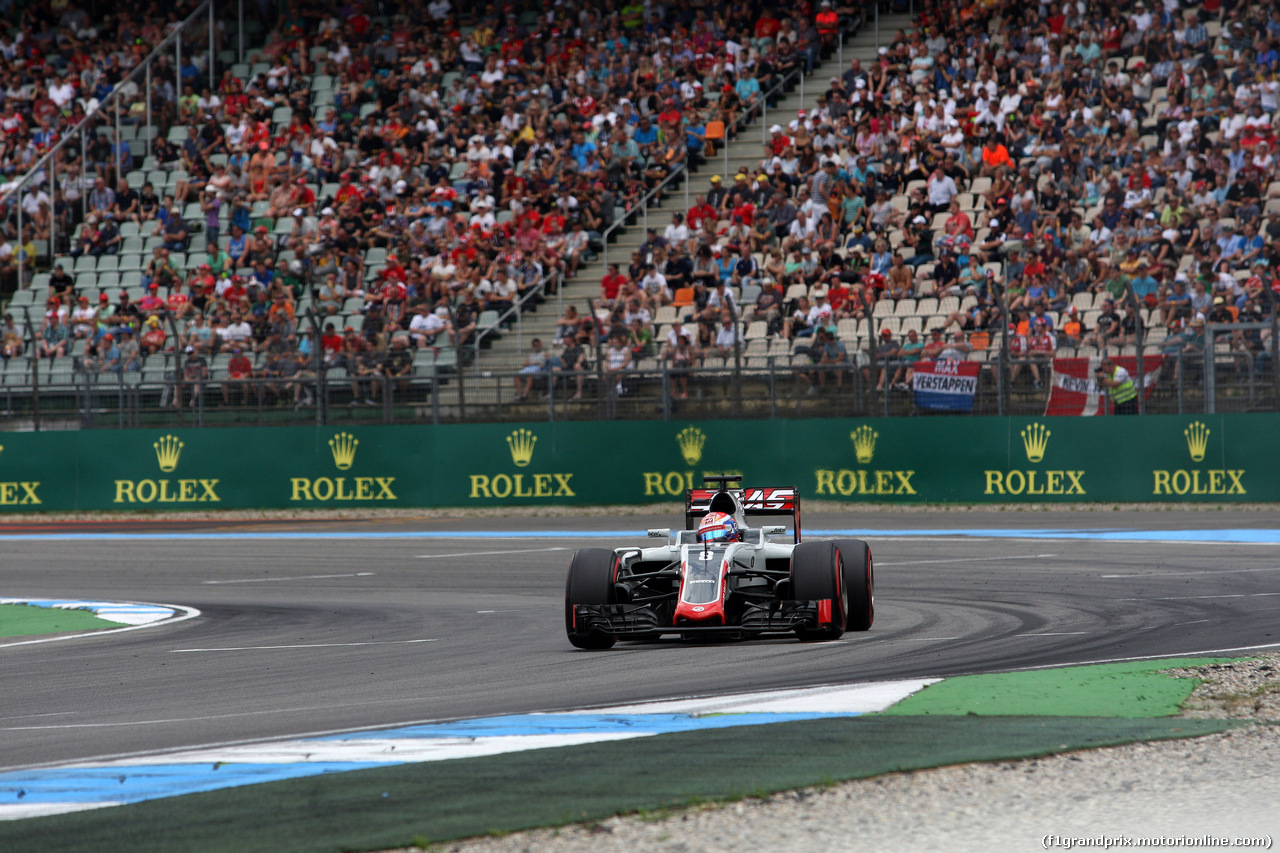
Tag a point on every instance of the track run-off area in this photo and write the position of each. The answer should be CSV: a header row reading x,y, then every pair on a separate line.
x,y
314,629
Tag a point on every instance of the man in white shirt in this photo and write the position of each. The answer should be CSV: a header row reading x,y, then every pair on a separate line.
x,y
236,334
427,324
340,55
636,312
32,201
62,92
1009,104
1232,122
483,217
83,318
721,299
209,103
677,232
820,314
942,188
654,283
1141,18
236,132
727,336
675,333
802,227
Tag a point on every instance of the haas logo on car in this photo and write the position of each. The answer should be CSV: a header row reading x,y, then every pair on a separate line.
x,y
757,499
753,500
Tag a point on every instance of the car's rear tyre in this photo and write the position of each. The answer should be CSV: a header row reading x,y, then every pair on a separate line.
x,y
592,573
859,583
817,575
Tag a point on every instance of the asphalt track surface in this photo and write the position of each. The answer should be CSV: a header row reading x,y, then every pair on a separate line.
x,y
308,635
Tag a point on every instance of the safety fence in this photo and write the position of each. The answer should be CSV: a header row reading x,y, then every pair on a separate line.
x,y
440,384
1213,458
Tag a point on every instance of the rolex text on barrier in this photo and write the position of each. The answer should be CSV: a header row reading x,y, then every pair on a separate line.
x,y
167,490
1204,458
342,487
521,484
859,480
1198,480
1029,480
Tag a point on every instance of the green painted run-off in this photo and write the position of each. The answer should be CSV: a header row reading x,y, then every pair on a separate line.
x,y
1133,690
21,620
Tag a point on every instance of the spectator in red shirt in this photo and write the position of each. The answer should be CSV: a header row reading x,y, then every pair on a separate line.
x,y
153,336
553,222
610,285
767,27
670,114
700,212
393,271
778,141
346,190
959,224
240,372
827,23
152,302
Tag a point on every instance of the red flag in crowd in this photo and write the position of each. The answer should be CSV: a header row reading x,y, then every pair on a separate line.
x,y
1076,392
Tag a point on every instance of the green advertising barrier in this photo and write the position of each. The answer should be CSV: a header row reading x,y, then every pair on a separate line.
x,y
913,460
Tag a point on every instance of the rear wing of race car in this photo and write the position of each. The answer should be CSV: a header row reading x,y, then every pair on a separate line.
x,y
757,502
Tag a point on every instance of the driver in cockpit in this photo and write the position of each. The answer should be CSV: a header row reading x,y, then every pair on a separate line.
x,y
718,527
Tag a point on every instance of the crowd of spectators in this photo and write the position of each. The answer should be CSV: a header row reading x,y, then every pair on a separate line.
x,y
412,171
1068,175
998,170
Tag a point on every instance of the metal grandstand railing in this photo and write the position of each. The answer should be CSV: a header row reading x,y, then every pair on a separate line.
x,y
1236,371
641,207
514,316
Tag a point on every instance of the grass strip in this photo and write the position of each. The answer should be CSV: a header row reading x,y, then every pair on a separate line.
x,y
381,808
20,620
1131,689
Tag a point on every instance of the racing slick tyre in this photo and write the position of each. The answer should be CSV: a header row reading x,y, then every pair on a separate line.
x,y
817,575
859,583
591,576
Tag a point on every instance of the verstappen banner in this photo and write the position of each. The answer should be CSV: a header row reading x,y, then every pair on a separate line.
x,y
946,385
1075,391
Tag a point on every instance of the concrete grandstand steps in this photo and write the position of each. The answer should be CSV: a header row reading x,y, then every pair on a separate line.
x,y
745,150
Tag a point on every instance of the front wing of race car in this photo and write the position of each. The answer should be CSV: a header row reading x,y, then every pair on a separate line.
x,y
635,621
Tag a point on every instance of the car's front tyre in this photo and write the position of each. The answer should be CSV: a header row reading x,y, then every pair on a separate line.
x,y
592,573
817,574
859,583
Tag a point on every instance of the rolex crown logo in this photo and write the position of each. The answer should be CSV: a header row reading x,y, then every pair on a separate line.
x,y
168,449
1197,440
343,447
521,443
864,443
691,440
1035,439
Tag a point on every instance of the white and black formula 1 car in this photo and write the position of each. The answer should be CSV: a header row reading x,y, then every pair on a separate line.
x,y
721,578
